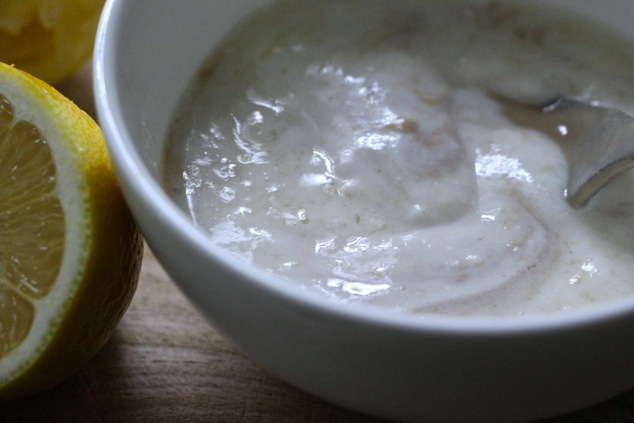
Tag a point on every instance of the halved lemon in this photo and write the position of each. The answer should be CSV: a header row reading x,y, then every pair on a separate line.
x,y
70,252
49,39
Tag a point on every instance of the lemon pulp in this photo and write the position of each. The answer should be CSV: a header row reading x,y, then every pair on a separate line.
x,y
31,225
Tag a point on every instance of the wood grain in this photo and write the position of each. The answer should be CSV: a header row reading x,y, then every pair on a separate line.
x,y
165,363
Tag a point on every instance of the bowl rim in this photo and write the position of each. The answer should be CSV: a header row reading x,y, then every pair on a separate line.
x,y
144,187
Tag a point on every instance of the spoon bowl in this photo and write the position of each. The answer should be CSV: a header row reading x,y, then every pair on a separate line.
x,y
598,141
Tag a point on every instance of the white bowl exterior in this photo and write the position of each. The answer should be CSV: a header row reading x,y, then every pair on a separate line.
x,y
440,369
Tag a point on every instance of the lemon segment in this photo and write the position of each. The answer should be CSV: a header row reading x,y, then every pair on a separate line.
x,y
70,252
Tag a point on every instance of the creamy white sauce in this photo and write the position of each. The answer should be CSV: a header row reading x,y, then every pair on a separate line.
x,y
355,150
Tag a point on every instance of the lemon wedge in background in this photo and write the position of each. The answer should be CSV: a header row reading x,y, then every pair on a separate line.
x,y
50,39
70,252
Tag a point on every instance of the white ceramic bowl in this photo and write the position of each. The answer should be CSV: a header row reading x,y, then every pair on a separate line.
x,y
437,369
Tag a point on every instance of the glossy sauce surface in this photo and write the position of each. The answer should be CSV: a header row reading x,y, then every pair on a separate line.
x,y
356,150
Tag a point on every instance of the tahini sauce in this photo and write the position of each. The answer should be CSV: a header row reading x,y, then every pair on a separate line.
x,y
353,148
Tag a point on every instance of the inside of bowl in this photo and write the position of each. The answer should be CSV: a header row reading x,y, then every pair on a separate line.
x,y
615,13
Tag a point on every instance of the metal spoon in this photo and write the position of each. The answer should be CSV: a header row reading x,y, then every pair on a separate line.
x,y
598,141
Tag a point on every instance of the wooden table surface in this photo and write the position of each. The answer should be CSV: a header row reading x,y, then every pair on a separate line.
x,y
165,363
